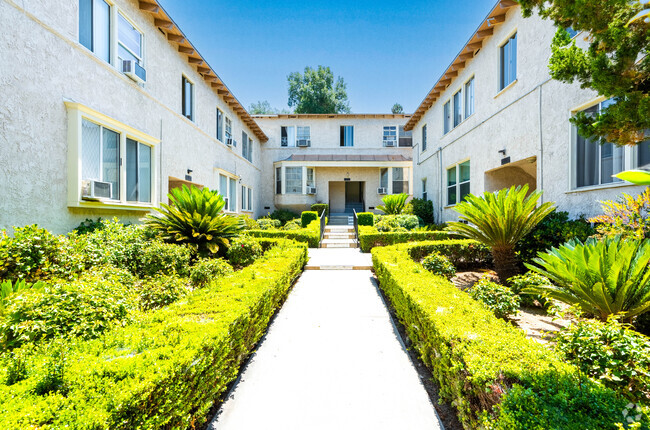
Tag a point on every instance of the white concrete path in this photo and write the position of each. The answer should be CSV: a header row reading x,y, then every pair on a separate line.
x,y
332,359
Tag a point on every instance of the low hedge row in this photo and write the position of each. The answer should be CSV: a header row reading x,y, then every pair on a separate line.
x,y
461,252
370,238
309,236
487,368
165,370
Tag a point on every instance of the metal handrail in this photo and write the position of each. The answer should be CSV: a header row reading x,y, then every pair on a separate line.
x,y
322,224
356,225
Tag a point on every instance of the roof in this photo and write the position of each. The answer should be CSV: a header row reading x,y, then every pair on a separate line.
x,y
163,21
348,157
333,115
496,16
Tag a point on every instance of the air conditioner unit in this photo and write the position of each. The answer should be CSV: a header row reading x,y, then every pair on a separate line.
x,y
381,190
231,142
304,142
311,190
133,70
389,143
96,190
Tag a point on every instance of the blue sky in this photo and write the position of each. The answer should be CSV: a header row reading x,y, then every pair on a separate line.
x,y
386,51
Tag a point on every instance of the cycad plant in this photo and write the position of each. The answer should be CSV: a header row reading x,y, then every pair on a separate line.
x,y
603,278
195,217
394,204
499,220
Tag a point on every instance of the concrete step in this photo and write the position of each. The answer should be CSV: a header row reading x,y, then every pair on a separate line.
x,y
339,229
338,243
338,236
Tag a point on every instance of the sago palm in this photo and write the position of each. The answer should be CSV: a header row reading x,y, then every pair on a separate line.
x,y
195,217
394,204
499,220
603,278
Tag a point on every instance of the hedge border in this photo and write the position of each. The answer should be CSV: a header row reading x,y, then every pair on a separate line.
x,y
308,236
369,240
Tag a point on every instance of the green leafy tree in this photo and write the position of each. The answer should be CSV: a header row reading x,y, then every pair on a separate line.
x,y
499,220
264,108
397,108
316,92
614,64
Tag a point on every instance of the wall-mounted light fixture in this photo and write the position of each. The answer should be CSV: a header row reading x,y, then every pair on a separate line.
x,y
188,177
502,152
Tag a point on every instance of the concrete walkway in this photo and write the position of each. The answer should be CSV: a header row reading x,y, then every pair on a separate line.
x,y
332,359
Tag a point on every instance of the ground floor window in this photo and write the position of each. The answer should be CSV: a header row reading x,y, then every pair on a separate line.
x,y
278,180
457,183
310,177
293,176
228,190
246,198
400,180
383,179
424,189
138,171
100,156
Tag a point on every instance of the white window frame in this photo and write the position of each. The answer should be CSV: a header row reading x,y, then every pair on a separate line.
x,y
425,194
285,180
458,93
112,37
466,103
388,179
458,182
447,120
229,177
227,129
76,114
247,198
344,145
298,135
192,116
406,174
279,177
424,137
220,127
118,44
502,86
387,138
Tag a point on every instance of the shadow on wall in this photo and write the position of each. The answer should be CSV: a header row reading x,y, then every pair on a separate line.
x,y
518,173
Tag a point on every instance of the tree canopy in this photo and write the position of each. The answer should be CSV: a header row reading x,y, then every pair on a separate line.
x,y
397,108
614,63
315,91
264,108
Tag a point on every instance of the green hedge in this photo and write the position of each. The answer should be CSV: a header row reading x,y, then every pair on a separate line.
x,y
369,238
461,252
309,236
366,218
320,207
163,371
486,367
307,217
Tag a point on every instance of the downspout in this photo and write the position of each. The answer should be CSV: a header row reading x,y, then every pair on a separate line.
x,y
439,152
541,147
160,164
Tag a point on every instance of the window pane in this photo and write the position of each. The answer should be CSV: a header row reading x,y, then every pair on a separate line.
x,y
278,180
219,125
390,136
289,136
223,187
111,160
464,171
611,159
123,54
90,151
86,23
101,30
310,177
469,98
464,190
131,170
643,154
243,197
446,117
398,174
405,137
144,170
187,98
233,195
228,128
250,199
424,137
347,135
451,195
451,176
513,58
458,116
128,36
383,182
303,133
294,180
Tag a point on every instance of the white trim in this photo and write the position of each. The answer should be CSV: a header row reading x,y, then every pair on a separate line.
x,y
458,182
192,97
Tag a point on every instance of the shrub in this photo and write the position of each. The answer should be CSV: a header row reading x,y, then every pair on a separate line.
x,y
161,290
292,225
310,236
88,226
244,251
642,323
307,217
320,207
439,265
394,204
248,222
552,231
9,289
268,223
499,299
611,353
500,220
603,278
371,238
366,218
629,216
208,269
520,283
158,258
423,209
407,222
464,253
283,215
195,217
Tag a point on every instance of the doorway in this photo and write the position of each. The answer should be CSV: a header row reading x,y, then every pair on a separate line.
x,y
354,196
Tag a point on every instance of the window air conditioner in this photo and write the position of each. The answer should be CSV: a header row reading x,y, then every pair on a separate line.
x,y
311,190
389,143
96,190
304,142
381,190
134,71
231,142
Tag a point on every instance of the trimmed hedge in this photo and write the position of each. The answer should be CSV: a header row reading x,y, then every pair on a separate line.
x,y
366,218
165,370
370,238
307,217
309,236
487,368
320,207
461,252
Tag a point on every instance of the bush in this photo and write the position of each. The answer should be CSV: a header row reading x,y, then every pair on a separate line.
x,y
464,253
208,269
393,222
268,223
497,298
439,265
366,218
88,226
8,289
320,207
292,225
423,209
161,290
371,239
248,222
307,217
629,217
611,353
394,204
158,258
310,236
518,284
283,215
244,251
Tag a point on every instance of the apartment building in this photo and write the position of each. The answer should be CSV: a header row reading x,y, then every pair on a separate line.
x,y
350,161
495,119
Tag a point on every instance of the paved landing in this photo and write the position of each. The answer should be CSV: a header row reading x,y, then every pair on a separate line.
x,y
331,360
338,259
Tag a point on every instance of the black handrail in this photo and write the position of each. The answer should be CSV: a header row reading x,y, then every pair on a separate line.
x,y
356,226
323,222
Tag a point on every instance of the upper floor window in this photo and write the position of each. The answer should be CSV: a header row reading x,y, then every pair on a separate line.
x,y
219,125
469,98
303,135
458,109
188,99
446,117
508,62
457,183
390,135
424,137
229,131
572,33
129,41
347,135
405,137
288,136
95,27
247,146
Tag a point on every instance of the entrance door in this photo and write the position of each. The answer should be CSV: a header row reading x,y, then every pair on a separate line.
x,y
354,196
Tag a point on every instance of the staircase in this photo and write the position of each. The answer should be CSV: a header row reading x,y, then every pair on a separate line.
x,y
340,219
339,236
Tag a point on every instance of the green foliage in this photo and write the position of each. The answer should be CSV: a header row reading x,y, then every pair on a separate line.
x,y
283,215
464,253
366,218
248,222
152,374
264,108
8,289
88,226
529,280
320,207
500,220
642,324
423,209
401,222
163,258
244,251
603,278
629,216
316,92
438,264
551,232
268,223
497,298
608,65
307,217
292,225
161,290
394,204
207,270
371,238
480,361
195,217
397,109
611,353
309,235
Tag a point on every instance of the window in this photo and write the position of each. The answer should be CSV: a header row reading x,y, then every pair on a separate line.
x,y
293,176
188,99
129,42
424,189
138,172
247,146
594,163
303,135
100,155
400,180
508,61
469,98
405,137
446,117
219,125
390,135
347,135
229,131
246,198
457,183
424,137
458,109
310,177
288,136
95,27
572,33
278,180
383,178
228,190
250,150
643,155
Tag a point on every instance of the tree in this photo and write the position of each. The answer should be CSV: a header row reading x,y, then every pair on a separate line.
x,y
264,108
615,64
316,92
397,108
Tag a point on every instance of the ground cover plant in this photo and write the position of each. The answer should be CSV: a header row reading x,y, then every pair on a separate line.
x,y
439,264
499,299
